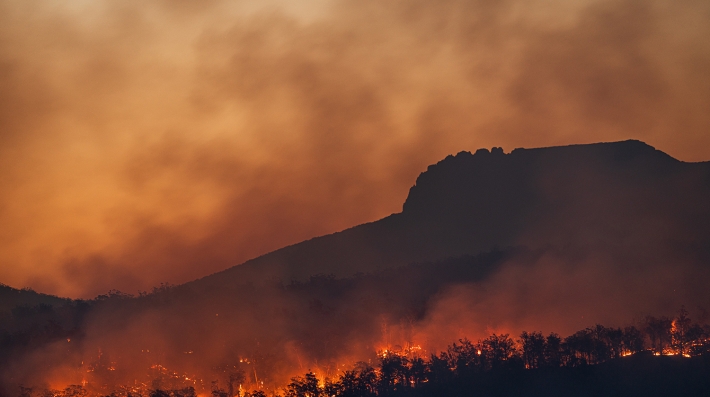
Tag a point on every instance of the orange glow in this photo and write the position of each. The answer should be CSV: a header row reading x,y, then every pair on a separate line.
x,y
124,160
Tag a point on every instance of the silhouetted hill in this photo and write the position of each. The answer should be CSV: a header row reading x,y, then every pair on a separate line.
x,y
620,195
11,298
552,239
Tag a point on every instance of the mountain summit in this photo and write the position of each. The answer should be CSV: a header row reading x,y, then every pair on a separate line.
x,y
550,239
625,195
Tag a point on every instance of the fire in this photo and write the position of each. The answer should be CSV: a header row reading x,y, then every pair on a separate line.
x,y
101,372
410,350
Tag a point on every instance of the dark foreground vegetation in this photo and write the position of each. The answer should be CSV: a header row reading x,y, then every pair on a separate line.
x,y
654,356
662,357
667,357
637,375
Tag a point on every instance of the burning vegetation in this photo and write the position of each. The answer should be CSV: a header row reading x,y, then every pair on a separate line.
x,y
382,333
412,370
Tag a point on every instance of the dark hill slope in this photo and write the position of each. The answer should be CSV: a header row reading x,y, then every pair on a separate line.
x,y
10,298
624,196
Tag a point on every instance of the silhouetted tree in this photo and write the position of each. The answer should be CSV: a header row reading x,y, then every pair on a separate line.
x,y
632,340
236,378
533,349
159,393
80,391
185,392
332,388
497,350
679,330
347,384
217,391
659,332
306,386
440,369
418,371
366,381
614,339
360,382
579,348
699,338
394,372
553,350
463,357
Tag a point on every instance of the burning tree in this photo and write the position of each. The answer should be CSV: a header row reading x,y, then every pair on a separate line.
x,y
305,386
659,333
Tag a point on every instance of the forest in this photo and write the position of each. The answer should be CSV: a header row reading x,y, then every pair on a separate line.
x,y
659,356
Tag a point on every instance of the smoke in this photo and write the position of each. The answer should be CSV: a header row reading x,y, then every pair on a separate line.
x,y
183,337
148,142
560,294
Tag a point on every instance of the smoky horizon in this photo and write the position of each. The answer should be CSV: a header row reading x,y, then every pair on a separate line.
x,y
151,142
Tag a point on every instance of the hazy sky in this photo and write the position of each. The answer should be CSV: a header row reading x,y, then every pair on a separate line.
x,y
160,141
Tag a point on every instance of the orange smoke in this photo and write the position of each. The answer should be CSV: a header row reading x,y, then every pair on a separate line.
x,y
147,142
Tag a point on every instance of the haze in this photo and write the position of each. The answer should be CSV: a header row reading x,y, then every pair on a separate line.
x,y
161,141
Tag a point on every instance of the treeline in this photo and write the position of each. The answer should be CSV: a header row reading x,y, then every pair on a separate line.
x,y
677,347
496,360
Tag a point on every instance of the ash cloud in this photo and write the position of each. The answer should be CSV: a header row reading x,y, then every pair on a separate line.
x,y
145,142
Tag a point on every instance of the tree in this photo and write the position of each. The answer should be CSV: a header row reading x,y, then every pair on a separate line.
x,y
632,339
360,382
614,338
553,350
217,391
498,350
347,384
579,348
679,331
439,369
463,357
236,378
366,381
659,332
331,388
394,372
306,386
79,391
185,392
418,371
533,349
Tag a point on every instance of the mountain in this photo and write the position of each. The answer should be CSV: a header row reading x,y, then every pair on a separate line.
x,y
624,195
552,239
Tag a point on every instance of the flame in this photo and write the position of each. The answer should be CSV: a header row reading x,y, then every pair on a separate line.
x,y
93,370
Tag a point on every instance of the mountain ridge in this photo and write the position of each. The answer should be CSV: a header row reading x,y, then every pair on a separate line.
x,y
538,239
469,203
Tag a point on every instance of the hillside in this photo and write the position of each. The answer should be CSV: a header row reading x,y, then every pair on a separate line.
x,y
12,297
609,194
551,240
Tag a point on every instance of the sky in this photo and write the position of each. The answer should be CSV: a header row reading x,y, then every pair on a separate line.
x,y
144,142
